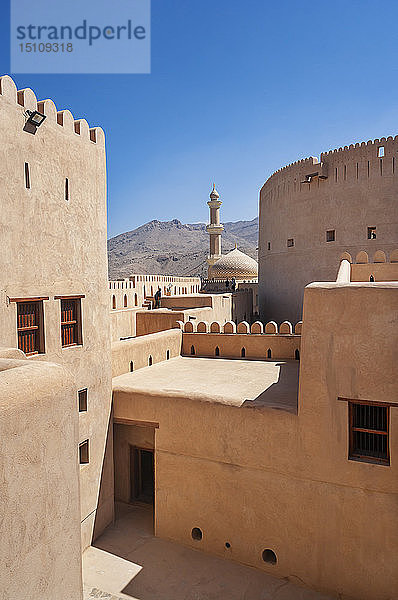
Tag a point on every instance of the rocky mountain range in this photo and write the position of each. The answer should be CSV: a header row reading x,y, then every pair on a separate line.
x,y
172,248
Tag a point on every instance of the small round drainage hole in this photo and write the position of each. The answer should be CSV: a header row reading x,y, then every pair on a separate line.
x,y
269,556
196,534
227,545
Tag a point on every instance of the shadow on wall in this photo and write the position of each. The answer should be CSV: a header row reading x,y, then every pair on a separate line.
x,y
281,395
105,512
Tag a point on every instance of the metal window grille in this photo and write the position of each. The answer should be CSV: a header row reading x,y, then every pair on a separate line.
x,y
369,432
28,326
70,322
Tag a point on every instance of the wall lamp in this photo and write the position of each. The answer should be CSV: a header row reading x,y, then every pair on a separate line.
x,y
33,121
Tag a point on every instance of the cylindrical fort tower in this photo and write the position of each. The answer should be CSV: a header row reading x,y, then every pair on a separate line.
x,y
214,229
312,211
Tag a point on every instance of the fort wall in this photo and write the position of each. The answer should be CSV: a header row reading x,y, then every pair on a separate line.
x,y
212,340
348,191
39,507
137,353
262,468
53,224
135,290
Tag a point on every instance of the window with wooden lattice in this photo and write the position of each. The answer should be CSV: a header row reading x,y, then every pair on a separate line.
x,y
71,330
30,326
369,432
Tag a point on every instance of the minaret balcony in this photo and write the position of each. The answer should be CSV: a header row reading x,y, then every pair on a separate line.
x,y
214,203
215,229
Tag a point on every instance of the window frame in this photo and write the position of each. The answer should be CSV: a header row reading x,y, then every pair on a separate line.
x,y
76,322
353,454
330,233
83,394
371,231
84,447
40,347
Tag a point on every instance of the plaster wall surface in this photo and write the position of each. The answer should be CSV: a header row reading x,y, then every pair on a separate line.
x,y
220,304
160,319
379,271
359,191
53,246
262,478
138,350
123,323
39,494
217,307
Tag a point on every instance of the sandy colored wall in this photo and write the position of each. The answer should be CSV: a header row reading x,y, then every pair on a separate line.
x,y
126,436
139,349
380,271
220,304
182,302
123,323
132,291
291,209
230,345
294,489
39,497
217,307
152,321
62,249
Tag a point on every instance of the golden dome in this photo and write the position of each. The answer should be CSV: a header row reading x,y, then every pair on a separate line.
x,y
235,264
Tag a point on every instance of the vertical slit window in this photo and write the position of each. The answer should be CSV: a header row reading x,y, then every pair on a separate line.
x,y
84,453
357,171
66,189
82,400
27,176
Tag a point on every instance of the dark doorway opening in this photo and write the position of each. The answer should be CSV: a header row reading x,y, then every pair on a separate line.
x,y
142,484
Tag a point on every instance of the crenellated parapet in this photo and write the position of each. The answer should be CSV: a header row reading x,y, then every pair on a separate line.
x,y
372,150
242,328
256,341
26,99
379,256
379,266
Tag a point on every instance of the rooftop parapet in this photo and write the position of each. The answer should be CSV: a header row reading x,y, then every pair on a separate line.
x,y
243,328
344,153
26,99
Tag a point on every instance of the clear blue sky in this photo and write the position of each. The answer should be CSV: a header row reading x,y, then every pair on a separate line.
x,y
237,90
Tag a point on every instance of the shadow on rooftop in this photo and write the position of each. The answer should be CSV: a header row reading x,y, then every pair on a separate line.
x,y
282,395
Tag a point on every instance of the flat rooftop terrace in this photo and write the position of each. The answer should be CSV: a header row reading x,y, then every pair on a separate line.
x,y
241,383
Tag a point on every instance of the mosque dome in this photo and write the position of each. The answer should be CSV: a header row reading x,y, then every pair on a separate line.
x,y
235,264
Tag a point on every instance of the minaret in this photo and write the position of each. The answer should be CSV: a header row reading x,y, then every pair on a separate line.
x,y
214,229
